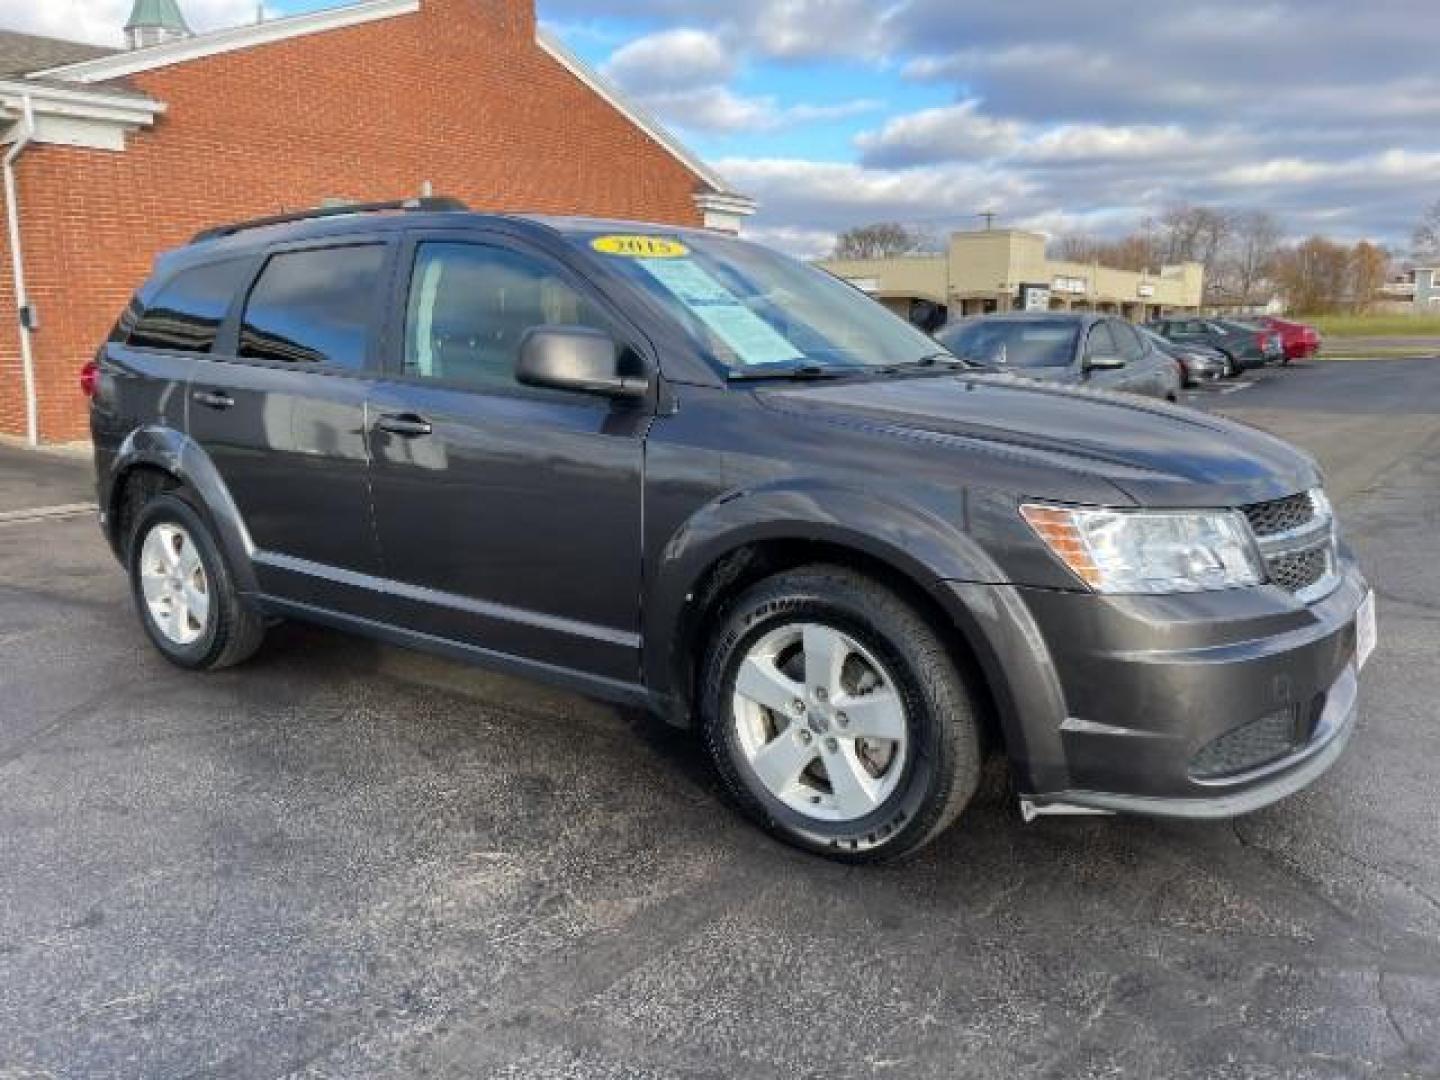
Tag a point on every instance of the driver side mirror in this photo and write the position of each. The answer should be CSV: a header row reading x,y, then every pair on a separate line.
x,y
1104,362
580,359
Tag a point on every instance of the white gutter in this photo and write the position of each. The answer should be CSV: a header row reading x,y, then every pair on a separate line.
x,y
17,260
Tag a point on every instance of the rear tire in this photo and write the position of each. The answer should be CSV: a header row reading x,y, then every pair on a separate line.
x,y
184,591
871,765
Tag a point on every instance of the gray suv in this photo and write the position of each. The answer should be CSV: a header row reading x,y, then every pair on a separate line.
x,y
672,469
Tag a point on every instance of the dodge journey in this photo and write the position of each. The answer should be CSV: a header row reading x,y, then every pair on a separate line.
x,y
674,469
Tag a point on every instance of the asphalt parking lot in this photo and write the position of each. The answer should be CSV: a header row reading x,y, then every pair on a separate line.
x,y
345,861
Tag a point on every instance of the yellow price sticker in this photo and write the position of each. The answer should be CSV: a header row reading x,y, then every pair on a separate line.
x,y
640,247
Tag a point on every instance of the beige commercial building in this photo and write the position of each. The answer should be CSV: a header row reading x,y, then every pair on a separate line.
x,y
1005,270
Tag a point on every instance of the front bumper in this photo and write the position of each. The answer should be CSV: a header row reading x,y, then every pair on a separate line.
x,y
1200,368
1122,698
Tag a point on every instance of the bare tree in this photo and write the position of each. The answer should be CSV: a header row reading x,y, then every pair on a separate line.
x,y
1075,247
1427,233
1196,234
881,240
1252,251
1134,252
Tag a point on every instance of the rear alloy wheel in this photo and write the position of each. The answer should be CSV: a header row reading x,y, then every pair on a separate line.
x,y
184,591
176,587
837,718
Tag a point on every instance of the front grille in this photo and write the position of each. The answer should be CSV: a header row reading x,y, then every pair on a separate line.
x,y
1299,570
1281,515
1297,541
1250,746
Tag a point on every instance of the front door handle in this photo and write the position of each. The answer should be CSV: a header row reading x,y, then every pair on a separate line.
x,y
214,399
406,425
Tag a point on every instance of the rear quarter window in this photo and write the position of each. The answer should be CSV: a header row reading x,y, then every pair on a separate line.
x,y
185,314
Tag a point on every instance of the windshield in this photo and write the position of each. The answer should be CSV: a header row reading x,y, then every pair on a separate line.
x,y
1014,343
752,310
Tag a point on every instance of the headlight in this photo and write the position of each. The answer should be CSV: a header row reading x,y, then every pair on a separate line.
x,y
1150,551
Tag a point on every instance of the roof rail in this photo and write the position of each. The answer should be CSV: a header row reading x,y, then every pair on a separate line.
x,y
428,204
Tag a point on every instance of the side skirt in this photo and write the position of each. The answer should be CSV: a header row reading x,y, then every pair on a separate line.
x,y
612,690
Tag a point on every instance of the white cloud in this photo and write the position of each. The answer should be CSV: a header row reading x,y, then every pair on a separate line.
x,y
683,76
948,133
1089,142
815,193
717,109
1373,170
793,29
671,61
962,132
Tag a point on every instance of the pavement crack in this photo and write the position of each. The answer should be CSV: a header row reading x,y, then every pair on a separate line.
x,y
1389,1010
1280,860
84,709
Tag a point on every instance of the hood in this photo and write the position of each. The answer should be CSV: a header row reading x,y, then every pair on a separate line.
x,y
1155,453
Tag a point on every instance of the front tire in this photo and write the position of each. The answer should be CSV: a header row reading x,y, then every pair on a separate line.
x,y
184,592
836,718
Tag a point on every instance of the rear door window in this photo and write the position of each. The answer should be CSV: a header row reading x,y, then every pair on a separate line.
x,y
186,313
315,307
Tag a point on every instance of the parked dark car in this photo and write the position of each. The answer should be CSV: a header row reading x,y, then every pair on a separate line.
x,y
1198,363
669,468
1299,340
1070,348
1272,345
1240,345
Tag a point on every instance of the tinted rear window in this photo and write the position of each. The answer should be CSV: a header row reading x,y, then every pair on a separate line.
x,y
1018,343
314,307
186,313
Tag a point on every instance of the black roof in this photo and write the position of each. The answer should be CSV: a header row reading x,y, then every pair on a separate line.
x,y
246,237
440,211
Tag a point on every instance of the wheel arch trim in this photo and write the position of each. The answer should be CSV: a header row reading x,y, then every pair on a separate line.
x,y
173,452
907,541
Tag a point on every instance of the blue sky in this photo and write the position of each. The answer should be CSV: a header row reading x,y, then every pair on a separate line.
x,y
1068,118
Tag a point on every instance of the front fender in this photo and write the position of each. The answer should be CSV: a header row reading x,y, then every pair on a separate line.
x,y
923,547
174,452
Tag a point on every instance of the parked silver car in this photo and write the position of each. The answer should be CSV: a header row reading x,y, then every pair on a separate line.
x,y
1076,348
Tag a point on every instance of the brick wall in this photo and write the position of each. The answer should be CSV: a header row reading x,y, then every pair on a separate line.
x,y
458,94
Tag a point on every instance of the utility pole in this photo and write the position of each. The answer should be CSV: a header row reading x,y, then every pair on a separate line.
x,y
989,218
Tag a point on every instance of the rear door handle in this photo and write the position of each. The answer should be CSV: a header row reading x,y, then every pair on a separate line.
x,y
214,399
406,425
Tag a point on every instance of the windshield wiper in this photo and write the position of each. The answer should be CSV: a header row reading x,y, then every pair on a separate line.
x,y
948,360
799,371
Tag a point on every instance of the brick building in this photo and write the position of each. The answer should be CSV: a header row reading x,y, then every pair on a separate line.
x,y
114,156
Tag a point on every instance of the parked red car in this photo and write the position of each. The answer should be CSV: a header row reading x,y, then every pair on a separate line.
x,y
1300,341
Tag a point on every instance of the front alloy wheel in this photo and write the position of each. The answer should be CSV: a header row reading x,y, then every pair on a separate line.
x,y
820,722
836,715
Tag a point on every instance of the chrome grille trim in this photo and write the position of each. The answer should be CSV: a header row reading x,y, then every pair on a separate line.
x,y
1289,534
1279,516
